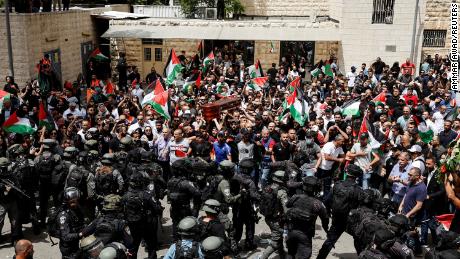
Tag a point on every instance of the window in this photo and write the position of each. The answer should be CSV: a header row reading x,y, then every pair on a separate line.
x,y
383,11
434,38
158,54
147,54
152,41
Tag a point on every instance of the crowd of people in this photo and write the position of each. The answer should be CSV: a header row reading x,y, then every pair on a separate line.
x,y
110,161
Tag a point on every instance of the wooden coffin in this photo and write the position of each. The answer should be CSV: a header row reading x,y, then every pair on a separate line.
x,y
212,110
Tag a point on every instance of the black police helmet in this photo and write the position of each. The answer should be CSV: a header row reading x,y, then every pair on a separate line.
x,y
311,184
353,170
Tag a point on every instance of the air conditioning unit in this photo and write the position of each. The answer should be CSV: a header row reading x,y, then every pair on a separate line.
x,y
210,13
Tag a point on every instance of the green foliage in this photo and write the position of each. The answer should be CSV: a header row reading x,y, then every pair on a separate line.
x,y
234,6
2,2
189,7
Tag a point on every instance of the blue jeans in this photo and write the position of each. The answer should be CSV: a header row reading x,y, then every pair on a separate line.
x,y
428,223
265,175
366,179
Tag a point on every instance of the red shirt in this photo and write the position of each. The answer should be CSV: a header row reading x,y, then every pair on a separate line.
x,y
408,68
412,98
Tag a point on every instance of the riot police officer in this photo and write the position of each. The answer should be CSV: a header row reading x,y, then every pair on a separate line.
x,y
244,212
186,246
110,226
303,209
82,179
214,248
275,194
115,250
61,171
156,184
141,211
223,195
345,197
8,199
90,247
70,223
210,224
181,192
45,164
23,168
108,180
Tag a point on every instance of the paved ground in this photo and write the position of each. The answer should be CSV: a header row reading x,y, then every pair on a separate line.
x,y
43,250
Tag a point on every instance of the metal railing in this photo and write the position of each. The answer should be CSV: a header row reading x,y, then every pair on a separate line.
x,y
434,38
383,11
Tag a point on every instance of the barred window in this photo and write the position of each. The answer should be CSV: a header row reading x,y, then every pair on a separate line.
x,y
152,41
434,38
158,54
383,11
147,54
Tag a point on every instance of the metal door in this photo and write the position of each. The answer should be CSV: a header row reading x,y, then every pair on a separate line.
x,y
86,49
55,57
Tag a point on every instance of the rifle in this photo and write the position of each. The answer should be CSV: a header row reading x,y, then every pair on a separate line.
x,y
14,187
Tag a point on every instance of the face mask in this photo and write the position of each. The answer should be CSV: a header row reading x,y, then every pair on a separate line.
x,y
424,117
138,86
379,110
309,141
314,100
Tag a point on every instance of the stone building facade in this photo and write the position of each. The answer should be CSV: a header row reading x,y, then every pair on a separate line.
x,y
63,35
348,30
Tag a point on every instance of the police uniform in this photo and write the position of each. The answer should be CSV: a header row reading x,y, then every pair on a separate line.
x,y
70,222
303,209
274,221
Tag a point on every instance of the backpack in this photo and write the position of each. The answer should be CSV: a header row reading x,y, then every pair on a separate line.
x,y
369,225
174,195
52,223
59,173
105,183
342,199
299,215
105,230
211,188
133,207
45,164
268,204
182,253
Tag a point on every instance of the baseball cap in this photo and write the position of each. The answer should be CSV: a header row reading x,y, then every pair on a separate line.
x,y
415,149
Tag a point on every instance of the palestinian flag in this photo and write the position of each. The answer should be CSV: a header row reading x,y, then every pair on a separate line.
x,y
108,87
18,125
272,47
426,134
98,56
44,118
315,72
173,69
207,61
299,109
256,84
158,99
255,70
194,79
351,108
452,114
368,128
380,98
3,97
134,83
295,84
327,70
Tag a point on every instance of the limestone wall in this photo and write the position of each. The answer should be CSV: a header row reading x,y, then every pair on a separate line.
x,y
286,8
36,33
262,52
437,17
324,50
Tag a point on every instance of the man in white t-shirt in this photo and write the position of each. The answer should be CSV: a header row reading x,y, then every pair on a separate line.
x,y
178,147
331,153
351,76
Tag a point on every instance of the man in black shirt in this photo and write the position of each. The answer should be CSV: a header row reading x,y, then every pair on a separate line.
x,y
201,148
378,68
282,151
271,72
